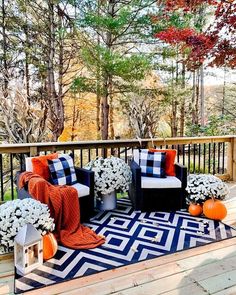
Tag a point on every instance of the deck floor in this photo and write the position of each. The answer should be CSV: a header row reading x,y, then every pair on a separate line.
x,y
209,269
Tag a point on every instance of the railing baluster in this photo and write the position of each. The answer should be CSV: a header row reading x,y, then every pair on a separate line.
x,y
96,152
73,154
223,158
189,151
12,179
194,158
118,152
214,158
218,166
204,158
89,155
126,158
81,157
178,151
104,152
183,162
22,164
199,158
1,178
209,158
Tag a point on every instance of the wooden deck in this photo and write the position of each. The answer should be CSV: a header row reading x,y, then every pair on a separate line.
x,y
209,269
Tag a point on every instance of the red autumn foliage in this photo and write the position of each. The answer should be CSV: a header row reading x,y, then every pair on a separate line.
x,y
201,45
217,43
186,5
224,51
174,35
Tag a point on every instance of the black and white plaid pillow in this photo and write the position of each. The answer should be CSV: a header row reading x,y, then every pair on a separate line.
x,y
62,170
152,163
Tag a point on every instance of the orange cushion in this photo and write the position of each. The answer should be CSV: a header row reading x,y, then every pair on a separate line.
x,y
40,165
170,161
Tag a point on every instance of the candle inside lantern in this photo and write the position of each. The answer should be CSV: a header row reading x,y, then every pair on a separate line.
x,y
32,254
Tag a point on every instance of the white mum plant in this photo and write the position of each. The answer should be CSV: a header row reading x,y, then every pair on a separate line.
x,y
110,174
201,187
15,214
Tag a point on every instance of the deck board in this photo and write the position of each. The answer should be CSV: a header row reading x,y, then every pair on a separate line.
x,y
208,269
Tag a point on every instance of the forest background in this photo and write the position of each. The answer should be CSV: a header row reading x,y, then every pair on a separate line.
x,y
108,69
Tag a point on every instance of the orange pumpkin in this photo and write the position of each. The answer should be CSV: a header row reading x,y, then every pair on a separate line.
x,y
195,209
49,246
214,209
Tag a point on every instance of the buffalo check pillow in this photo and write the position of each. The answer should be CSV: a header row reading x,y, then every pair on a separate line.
x,y
152,164
62,170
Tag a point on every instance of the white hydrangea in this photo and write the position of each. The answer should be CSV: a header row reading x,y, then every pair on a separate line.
x,y
201,187
15,214
110,174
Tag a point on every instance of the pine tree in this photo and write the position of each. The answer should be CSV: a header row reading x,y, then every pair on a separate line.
x,y
115,30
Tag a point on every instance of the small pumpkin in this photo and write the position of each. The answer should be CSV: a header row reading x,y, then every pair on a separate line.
x,y
195,209
50,246
214,209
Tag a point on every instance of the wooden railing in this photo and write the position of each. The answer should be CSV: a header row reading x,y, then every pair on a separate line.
x,y
215,155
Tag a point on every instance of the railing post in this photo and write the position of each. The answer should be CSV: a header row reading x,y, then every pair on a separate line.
x,y
33,151
231,158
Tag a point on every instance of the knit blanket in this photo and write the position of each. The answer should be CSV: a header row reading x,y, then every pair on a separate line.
x,y
63,203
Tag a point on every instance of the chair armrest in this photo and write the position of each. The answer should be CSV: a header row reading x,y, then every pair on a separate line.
x,y
23,192
135,190
136,174
18,173
17,177
85,176
181,174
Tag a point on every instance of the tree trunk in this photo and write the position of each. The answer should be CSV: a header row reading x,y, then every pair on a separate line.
x,y
107,84
98,107
202,95
75,116
27,75
4,48
55,103
197,97
224,93
173,105
182,106
195,94
111,114
105,110
174,127
60,104
98,86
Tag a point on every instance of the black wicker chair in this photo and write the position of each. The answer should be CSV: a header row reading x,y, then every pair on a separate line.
x,y
158,197
85,178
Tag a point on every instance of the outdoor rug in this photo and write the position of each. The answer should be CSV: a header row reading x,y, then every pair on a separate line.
x,y
131,236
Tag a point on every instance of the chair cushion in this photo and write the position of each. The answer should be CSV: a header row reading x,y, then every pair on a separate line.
x,y
40,165
168,182
28,164
136,156
82,189
170,160
152,163
62,170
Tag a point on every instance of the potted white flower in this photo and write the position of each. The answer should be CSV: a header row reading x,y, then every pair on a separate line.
x,y
15,214
201,187
111,175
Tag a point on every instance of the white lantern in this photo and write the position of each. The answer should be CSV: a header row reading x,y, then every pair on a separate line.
x,y
28,249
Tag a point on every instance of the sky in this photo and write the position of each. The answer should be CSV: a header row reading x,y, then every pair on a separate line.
x,y
215,76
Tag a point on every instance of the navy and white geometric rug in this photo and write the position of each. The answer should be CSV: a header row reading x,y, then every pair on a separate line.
x,y
130,237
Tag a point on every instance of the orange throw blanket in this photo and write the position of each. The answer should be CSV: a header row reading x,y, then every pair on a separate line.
x,y
63,203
